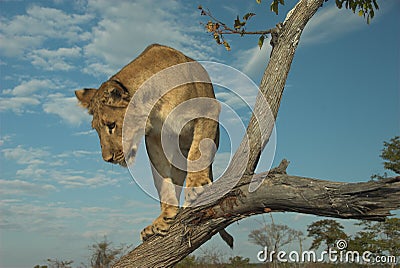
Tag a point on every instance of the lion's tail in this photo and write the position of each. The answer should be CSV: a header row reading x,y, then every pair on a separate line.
x,y
226,237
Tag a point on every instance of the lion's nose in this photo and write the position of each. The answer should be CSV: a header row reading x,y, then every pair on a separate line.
x,y
108,157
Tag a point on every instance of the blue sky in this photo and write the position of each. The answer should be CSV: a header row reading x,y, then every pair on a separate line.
x,y
340,103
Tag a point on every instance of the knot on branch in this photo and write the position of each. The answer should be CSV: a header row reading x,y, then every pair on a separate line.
x,y
281,168
275,32
222,208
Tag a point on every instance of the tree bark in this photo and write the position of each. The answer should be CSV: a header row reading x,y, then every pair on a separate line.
x,y
277,191
274,78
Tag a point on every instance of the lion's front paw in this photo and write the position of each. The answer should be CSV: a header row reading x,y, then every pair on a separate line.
x,y
161,225
146,233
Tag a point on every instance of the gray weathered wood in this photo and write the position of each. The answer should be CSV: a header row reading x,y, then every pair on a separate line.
x,y
372,200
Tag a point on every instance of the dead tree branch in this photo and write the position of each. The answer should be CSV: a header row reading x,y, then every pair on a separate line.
x,y
372,200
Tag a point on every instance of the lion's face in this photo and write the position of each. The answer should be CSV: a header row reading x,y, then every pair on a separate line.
x,y
108,124
107,105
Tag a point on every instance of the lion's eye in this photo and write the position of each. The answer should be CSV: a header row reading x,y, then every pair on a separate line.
x,y
111,126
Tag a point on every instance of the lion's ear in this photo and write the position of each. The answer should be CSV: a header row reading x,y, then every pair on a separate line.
x,y
85,96
116,95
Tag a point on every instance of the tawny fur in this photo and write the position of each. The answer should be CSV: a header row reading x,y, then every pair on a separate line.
x,y
108,105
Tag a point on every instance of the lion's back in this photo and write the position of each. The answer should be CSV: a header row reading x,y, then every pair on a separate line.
x,y
151,61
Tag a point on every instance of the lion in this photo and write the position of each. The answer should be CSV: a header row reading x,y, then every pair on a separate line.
x,y
108,106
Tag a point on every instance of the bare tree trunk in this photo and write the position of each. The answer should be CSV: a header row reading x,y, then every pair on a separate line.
x,y
274,78
277,191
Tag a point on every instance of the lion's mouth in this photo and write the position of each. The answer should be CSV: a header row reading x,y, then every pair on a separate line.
x,y
119,159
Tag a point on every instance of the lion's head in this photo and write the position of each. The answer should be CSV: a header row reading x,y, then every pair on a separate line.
x,y
107,105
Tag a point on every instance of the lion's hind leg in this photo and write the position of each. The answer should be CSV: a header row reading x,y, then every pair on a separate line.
x,y
200,158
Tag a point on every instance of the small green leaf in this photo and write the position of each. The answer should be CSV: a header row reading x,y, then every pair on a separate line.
x,y
210,26
360,13
339,4
274,6
261,41
238,24
282,2
217,38
248,16
258,1
227,46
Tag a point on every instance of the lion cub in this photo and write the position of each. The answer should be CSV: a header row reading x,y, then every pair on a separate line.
x,y
108,106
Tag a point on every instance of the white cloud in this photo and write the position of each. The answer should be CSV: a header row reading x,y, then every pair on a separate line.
x,y
238,87
339,22
79,181
33,172
23,32
9,201
88,132
60,220
94,209
77,154
229,99
65,107
41,166
52,60
67,178
99,69
17,104
125,29
4,139
82,153
19,187
36,218
27,88
34,92
30,156
253,61
121,31
13,45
